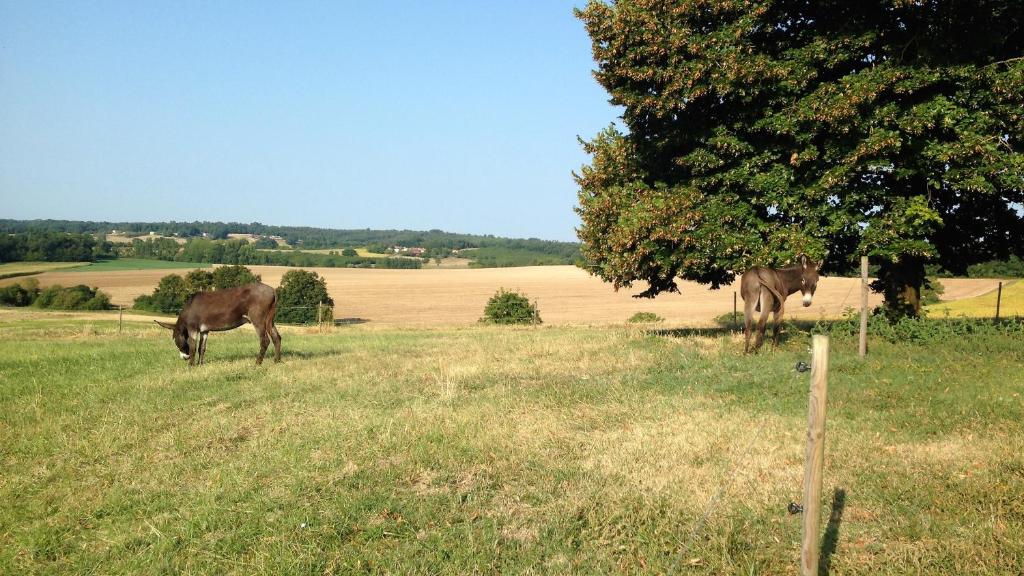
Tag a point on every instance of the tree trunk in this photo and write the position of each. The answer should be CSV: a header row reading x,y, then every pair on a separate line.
x,y
900,282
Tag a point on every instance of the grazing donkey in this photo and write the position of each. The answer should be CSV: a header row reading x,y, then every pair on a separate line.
x,y
227,309
767,288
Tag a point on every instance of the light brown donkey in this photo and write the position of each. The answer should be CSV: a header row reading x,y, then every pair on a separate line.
x,y
766,290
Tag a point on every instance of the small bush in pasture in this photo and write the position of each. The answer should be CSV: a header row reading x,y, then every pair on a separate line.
x,y
349,252
729,320
173,291
931,292
168,297
645,317
300,294
232,276
198,280
79,297
21,294
28,293
510,307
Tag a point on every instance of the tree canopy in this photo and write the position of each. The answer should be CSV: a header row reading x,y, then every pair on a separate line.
x,y
300,295
756,131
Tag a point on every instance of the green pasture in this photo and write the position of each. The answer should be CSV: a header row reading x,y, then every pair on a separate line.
x,y
15,269
498,450
122,264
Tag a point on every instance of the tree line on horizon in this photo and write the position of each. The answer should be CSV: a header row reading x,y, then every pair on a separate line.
x,y
297,236
494,251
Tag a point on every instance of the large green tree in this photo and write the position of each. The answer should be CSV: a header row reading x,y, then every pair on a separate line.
x,y
758,130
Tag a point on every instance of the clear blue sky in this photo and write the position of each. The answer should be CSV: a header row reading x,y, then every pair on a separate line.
x,y
461,116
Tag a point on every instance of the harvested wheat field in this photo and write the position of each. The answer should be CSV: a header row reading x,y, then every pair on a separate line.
x,y
564,294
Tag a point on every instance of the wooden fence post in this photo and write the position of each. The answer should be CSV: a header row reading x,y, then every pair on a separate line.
x,y
735,323
815,455
999,300
319,316
120,318
863,306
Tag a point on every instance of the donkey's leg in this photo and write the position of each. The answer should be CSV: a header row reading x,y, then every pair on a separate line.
x,y
202,347
193,346
275,336
767,302
261,329
748,319
777,320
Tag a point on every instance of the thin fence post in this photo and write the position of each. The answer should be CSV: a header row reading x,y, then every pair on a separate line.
x,y
999,299
120,318
319,315
815,456
735,321
863,306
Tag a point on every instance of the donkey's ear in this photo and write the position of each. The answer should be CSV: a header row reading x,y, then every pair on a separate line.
x,y
165,324
803,260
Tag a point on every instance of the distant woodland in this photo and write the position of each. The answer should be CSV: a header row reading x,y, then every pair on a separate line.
x,y
209,242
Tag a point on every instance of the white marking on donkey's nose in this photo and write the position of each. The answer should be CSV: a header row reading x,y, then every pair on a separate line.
x,y
183,355
807,299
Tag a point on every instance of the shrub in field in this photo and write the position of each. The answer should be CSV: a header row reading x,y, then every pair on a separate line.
x,y
1011,268
349,252
923,330
20,294
728,320
231,276
80,297
174,290
198,280
932,291
168,297
643,317
300,294
510,307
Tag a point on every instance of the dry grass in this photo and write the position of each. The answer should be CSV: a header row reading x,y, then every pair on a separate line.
x,y
483,449
452,297
983,304
566,295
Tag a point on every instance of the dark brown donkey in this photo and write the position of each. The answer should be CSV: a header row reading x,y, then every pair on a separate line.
x,y
225,310
766,290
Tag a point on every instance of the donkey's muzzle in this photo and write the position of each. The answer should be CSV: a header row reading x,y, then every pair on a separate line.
x,y
807,300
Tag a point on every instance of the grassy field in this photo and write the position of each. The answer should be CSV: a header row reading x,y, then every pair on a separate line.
x,y
485,450
453,297
15,269
125,264
984,306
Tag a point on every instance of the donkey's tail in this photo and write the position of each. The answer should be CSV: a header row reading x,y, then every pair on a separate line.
x,y
765,282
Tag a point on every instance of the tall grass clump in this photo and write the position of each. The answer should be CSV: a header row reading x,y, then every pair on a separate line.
x,y
644,318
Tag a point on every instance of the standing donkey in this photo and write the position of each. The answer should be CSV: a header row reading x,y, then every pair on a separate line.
x,y
767,289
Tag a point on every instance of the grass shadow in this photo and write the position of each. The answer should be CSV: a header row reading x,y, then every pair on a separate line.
x,y
711,331
790,328
830,540
349,321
